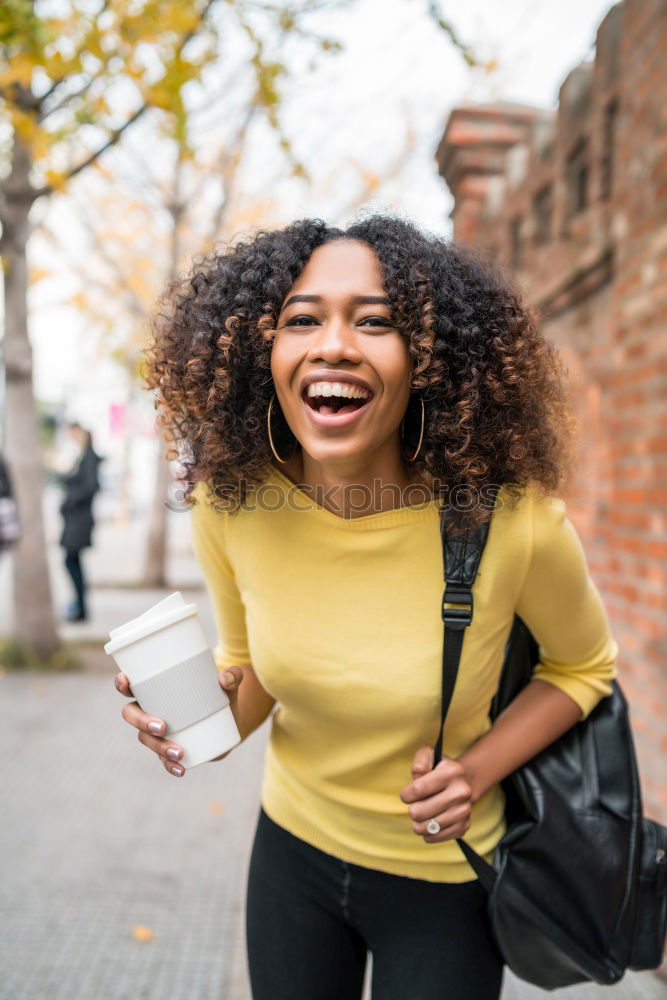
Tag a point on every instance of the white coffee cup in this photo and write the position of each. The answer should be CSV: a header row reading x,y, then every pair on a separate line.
x,y
173,676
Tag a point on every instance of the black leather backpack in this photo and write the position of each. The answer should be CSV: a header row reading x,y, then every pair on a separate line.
x,y
578,886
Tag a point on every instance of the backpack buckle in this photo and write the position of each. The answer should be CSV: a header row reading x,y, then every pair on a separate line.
x,y
457,618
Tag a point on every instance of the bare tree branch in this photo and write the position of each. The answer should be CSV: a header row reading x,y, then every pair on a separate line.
x,y
449,29
61,79
111,141
125,293
67,98
393,171
130,166
227,166
134,303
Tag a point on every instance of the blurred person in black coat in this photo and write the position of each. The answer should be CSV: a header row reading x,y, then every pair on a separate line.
x,y
9,521
81,484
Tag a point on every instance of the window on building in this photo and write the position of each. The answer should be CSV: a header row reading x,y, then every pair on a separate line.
x,y
608,142
577,178
516,242
543,208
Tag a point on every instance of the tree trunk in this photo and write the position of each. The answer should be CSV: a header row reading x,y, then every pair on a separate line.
x,y
156,548
34,620
124,505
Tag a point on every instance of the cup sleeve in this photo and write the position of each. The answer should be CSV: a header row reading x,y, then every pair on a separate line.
x,y
208,529
562,607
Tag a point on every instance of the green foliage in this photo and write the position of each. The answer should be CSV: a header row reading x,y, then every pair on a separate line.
x,y
16,654
20,27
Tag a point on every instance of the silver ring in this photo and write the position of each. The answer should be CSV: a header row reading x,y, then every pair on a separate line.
x,y
433,826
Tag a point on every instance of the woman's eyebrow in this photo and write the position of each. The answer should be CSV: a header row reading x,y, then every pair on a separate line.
x,y
377,300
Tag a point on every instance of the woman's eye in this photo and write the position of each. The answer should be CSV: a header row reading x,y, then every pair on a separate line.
x,y
375,320
297,320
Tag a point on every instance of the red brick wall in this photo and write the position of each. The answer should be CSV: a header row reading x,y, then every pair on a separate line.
x,y
601,283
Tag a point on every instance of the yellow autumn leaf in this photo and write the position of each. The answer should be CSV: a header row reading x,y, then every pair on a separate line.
x,y
56,180
160,96
19,70
181,18
372,180
38,274
142,933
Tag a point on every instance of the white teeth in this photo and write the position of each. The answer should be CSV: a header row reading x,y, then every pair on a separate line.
x,y
343,389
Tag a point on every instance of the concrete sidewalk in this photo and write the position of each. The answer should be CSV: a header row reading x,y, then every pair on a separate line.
x,y
97,839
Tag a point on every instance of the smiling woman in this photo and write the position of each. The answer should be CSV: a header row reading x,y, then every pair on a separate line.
x,y
332,392
341,372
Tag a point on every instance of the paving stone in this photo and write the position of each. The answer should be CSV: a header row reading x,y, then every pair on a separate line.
x,y
97,839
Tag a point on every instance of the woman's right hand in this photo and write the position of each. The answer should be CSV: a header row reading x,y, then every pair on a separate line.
x,y
230,681
151,729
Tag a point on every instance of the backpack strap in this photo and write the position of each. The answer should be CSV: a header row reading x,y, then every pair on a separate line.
x,y
461,557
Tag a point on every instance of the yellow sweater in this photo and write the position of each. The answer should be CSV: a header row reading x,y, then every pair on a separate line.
x,y
340,619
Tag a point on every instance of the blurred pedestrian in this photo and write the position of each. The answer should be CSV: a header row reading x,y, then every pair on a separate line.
x,y
81,484
9,520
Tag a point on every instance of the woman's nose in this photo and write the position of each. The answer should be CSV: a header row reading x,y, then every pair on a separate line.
x,y
335,338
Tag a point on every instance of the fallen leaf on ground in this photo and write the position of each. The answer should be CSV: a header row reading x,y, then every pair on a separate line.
x,y
142,933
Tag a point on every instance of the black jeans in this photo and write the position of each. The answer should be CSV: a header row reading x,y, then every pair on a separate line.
x,y
311,920
75,570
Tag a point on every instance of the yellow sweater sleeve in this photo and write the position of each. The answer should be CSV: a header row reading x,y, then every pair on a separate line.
x,y
562,607
208,529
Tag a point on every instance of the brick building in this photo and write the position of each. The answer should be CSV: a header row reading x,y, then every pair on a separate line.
x,y
574,202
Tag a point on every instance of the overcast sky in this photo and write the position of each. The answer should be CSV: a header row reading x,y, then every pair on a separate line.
x,y
397,67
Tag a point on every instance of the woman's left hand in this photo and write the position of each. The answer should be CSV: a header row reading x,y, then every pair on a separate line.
x,y
442,793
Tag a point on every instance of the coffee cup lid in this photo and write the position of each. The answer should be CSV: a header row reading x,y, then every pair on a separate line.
x,y
169,610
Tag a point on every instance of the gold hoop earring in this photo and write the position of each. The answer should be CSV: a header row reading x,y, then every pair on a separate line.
x,y
268,427
421,433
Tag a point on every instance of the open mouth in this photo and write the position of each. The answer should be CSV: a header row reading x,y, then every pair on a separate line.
x,y
336,400
336,406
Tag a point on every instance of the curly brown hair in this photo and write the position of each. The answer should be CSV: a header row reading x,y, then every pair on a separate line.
x,y
496,405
